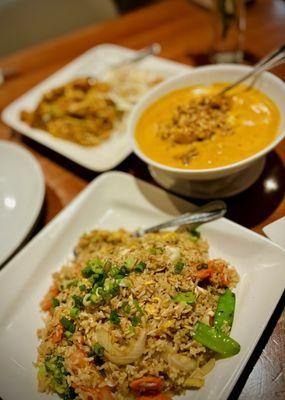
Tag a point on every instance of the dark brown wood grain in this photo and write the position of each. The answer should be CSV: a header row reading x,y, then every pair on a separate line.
x,y
184,32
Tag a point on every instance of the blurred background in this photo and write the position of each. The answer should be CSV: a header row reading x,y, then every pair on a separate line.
x,y
27,22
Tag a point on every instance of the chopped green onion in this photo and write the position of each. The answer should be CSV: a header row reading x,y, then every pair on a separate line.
x,y
129,263
68,334
184,297
67,324
114,317
82,288
55,302
138,307
78,301
140,267
74,312
135,320
179,267
194,235
98,349
126,308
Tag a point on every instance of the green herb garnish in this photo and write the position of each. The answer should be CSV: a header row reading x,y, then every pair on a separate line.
x,y
140,267
67,324
55,302
114,318
98,349
179,267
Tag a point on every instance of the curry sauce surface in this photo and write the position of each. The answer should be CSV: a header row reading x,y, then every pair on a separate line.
x,y
254,118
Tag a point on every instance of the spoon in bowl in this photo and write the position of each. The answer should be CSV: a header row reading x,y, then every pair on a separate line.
x,y
274,58
209,212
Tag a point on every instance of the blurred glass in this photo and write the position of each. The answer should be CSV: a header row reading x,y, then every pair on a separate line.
x,y
228,31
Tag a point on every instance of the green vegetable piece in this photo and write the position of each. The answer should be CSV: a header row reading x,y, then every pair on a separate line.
x,y
202,266
96,297
68,334
216,341
87,271
111,287
126,308
129,263
67,324
55,302
224,315
138,307
82,288
114,271
140,267
184,297
74,312
135,320
178,267
98,349
194,235
114,318
78,301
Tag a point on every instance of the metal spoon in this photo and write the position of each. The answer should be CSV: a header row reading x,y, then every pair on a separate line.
x,y
209,212
152,50
274,58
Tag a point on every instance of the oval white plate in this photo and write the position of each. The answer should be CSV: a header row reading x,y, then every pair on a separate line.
x,y
21,196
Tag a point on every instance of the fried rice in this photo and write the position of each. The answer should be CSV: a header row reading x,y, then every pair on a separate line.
x,y
120,317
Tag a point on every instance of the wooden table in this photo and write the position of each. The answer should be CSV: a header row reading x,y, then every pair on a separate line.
x,y
184,33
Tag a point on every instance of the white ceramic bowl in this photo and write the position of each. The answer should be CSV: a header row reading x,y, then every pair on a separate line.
x,y
214,182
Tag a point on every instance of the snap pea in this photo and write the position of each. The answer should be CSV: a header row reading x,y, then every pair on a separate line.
x,y
224,315
216,341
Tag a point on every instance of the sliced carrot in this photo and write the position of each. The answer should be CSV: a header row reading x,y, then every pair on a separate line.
x,y
148,384
56,336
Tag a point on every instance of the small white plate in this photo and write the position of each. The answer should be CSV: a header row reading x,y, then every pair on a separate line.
x,y
21,196
116,200
92,63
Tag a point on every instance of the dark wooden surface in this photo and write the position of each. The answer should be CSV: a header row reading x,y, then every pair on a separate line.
x,y
184,32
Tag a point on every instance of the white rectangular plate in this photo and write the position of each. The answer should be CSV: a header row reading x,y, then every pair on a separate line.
x,y
92,63
116,200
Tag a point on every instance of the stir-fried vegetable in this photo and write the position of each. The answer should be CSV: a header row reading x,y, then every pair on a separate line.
x,y
224,315
184,297
140,267
216,341
114,317
74,312
55,302
98,349
54,368
67,324
178,268
194,234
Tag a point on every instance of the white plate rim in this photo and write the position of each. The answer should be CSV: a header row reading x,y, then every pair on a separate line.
x,y
22,152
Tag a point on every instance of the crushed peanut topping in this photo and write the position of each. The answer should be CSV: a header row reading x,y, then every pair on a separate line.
x,y
197,121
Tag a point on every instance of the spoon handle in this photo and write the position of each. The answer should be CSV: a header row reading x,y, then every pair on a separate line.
x,y
152,50
271,60
209,212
